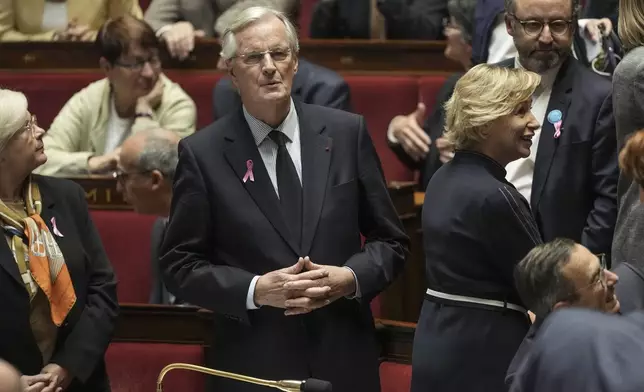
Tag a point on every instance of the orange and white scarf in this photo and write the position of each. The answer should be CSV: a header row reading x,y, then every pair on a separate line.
x,y
40,260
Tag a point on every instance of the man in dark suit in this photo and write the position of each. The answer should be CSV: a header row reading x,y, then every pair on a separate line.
x,y
561,274
570,179
147,162
312,83
265,228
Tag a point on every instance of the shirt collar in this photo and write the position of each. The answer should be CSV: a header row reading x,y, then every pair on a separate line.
x,y
547,78
261,130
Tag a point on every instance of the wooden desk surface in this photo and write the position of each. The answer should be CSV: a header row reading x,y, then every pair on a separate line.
x,y
346,56
190,325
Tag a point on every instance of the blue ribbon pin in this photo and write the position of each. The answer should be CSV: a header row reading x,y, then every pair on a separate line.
x,y
555,116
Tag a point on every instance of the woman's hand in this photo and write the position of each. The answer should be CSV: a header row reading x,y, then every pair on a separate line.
x,y
39,383
60,377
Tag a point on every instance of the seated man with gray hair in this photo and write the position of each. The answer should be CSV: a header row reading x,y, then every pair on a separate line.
x,y
147,163
558,274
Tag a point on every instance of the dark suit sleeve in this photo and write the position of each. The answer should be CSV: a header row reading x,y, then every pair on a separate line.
x,y
598,233
85,346
187,263
386,244
156,237
225,98
510,230
333,93
418,19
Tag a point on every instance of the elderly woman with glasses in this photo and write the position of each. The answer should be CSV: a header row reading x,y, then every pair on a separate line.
x,y
476,228
57,286
85,136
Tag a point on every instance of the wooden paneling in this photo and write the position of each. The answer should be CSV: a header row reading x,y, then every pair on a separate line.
x,y
190,325
346,56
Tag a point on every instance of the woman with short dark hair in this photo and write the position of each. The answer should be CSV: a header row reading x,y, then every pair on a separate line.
x,y
135,95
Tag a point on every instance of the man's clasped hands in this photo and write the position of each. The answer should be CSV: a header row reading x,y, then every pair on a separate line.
x,y
304,287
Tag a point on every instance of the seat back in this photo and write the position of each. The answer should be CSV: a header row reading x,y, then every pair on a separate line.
x,y
126,238
395,377
134,367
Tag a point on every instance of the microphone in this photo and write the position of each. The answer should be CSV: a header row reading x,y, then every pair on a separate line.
x,y
309,385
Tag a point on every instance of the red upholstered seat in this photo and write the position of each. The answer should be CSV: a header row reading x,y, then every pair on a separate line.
x,y
126,238
428,89
134,367
395,377
305,17
379,99
47,92
199,86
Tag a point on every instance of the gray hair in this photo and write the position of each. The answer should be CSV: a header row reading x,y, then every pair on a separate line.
x,y
13,114
463,13
539,277
232,13
511,7
248,17
158,153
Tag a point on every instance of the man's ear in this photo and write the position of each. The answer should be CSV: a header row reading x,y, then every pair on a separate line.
x,y
105,65
158,179
509,27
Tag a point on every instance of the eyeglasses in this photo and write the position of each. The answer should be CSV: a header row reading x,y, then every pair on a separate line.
x,y
122,176
535,27
254,58
31,126
601,277
138,65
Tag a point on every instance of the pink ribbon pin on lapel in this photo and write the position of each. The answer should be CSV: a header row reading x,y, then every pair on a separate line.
x,y
557,129
249,172
56,231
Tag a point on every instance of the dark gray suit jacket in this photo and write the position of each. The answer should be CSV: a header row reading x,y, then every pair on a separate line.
x,y
202,14
628,103
159,294
223,231
312,84
404,19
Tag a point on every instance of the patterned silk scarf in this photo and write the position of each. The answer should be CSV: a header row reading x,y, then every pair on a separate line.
x,y
37,254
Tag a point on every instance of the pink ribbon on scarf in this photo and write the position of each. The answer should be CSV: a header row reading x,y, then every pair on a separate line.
x,y
249,172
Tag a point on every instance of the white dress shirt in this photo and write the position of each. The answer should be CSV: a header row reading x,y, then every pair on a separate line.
x,y
54,16
268,151
521,171
118,129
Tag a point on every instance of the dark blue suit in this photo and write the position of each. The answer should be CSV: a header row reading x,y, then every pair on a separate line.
x,y
312,84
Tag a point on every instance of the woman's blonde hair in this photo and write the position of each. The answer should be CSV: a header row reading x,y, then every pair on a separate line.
x,y
631,158
482,95
630,23
13,114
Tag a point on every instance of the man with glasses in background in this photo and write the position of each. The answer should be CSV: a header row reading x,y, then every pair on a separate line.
x,y
85,136
560,274
570,177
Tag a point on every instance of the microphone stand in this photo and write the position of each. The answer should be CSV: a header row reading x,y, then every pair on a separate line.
x,y
282,385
